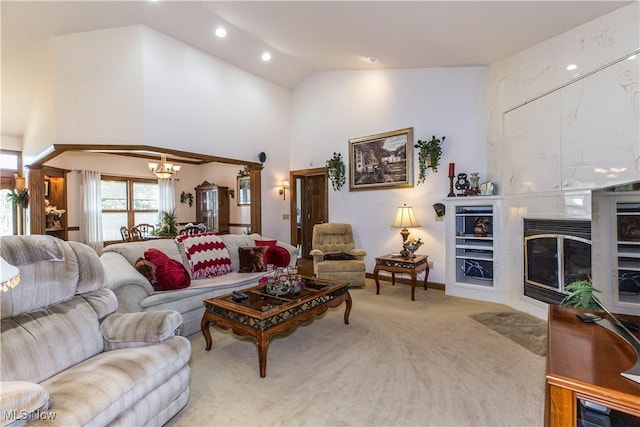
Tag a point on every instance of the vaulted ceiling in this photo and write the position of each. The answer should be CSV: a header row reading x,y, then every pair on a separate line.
x,y
302,36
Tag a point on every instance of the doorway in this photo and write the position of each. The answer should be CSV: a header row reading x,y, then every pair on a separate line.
x,y
309,206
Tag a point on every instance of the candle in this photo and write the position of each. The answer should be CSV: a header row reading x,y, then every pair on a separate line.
x,y
452,169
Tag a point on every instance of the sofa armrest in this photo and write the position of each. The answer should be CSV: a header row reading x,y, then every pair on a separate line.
x,y
129,285
21,402
124,330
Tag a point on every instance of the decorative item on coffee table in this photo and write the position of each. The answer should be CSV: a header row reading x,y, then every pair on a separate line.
x,y
283,281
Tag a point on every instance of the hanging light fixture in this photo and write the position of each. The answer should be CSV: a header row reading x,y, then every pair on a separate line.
x,y
164,170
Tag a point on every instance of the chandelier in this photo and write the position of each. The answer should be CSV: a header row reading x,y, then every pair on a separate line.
x,y
164,170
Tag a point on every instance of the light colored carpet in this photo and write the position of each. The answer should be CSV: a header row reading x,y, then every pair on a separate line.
x,y
525,329
398,363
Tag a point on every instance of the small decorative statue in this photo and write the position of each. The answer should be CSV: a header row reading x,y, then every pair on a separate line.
x,y
473,190
480,226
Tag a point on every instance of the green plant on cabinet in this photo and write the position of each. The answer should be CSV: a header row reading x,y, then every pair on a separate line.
x,y
582,295
429,155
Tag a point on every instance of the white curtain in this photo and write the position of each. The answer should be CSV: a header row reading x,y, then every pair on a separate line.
x,y
92,210
167,195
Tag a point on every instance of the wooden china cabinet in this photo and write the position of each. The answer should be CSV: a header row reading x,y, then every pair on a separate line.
x,y
212,207
46,182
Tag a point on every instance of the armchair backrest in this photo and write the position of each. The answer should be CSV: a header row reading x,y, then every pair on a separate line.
x,y
50,320
333,237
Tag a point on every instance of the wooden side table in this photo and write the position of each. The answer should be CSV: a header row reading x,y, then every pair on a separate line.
x,y
411,266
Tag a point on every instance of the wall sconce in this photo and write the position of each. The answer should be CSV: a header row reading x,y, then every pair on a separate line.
x,y
284,185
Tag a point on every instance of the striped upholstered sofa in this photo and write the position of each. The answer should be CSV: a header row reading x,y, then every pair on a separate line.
x,y
68,359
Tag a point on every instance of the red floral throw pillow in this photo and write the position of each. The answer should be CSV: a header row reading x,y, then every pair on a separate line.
x,y
207,255
276,255
170,274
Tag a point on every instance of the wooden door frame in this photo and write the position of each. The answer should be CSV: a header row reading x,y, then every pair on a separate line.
x,y
293,199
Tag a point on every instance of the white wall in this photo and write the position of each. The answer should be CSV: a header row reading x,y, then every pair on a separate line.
x,y
527,75
329,108
134,85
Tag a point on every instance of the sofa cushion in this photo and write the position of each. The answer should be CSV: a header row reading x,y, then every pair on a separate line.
x,y
252,259
24,399
43,342
116,380
276,255
170,274
207,255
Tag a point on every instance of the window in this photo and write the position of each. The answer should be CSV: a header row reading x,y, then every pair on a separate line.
x,y
7,226
10,164
127,202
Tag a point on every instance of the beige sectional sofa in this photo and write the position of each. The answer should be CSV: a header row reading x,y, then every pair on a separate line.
x,y
135,293
68,359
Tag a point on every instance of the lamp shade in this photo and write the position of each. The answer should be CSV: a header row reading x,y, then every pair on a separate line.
x,y
9,275
405,218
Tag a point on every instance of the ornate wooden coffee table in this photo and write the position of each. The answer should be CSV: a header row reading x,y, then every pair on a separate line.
x,y
262,315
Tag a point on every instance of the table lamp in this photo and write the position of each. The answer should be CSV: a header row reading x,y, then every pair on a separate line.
x,y
9,275
405,219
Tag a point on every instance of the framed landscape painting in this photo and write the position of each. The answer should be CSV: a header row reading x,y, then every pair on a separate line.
x,y
381,161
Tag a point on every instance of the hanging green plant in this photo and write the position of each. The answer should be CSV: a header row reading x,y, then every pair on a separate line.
x,y
429,154
186,198
336,171
19,197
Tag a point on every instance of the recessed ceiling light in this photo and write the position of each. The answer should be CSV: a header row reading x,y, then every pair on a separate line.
x,y
266,57
221,32
571,67
373,59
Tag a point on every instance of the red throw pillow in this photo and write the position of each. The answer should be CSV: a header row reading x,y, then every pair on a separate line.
x,y
276,255
170,274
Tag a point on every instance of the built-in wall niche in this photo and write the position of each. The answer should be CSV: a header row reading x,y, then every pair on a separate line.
x,y
55,192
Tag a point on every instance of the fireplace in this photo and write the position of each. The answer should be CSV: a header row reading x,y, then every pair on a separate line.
x,y
556,253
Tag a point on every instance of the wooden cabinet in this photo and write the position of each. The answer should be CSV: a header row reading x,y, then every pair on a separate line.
x,y
212,207
48,183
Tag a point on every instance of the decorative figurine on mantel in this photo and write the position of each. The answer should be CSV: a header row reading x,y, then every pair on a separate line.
x,y
462,184
473,190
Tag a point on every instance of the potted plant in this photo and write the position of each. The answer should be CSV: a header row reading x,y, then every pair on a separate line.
x,y
429,154
19,197
336,171
168,224
581,295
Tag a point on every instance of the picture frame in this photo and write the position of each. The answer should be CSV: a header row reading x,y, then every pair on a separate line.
x,y
381,161
47,188
244,190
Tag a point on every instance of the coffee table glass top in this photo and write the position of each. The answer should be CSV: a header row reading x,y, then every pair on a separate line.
x,y
260,301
